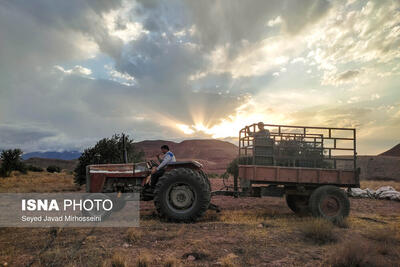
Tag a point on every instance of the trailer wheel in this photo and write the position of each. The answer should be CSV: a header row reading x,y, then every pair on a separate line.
x,y
181,195
329,202
298,204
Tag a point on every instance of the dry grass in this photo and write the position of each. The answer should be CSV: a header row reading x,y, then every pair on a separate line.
x,y
352,253
133,235
171,262
37,182
249,217
318,230
374,247
52,258
228,260
258,231
376,184
144,260
387,235
118,260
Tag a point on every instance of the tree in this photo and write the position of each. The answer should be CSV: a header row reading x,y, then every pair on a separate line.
x,y
11,161
107,150
53,169
233,166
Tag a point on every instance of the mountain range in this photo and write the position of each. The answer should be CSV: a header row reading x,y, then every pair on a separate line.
x,y
64,155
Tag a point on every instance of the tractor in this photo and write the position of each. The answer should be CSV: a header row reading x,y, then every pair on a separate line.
x,y
182,194
307,165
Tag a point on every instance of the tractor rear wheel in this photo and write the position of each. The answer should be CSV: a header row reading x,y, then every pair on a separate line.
x,y
181,195
329,202
205,177
298,203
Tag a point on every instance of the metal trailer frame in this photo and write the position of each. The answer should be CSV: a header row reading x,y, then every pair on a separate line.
x,y
329,140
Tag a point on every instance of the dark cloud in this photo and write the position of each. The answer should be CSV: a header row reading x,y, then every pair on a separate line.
x,y
12,136
348,75
229,22
45,32
297,15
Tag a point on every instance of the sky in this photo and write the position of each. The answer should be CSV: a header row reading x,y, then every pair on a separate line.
x,y
73,72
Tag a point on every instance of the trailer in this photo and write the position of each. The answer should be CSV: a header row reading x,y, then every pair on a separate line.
x,y
310,166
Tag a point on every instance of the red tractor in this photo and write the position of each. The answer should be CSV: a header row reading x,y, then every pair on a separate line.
x,y
182,194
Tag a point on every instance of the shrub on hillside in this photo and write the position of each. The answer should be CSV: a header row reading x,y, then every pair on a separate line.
x,y
11,161
107,150
53,169
33,168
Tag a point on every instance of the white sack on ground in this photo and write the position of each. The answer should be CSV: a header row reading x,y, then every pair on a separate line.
x,y
384,192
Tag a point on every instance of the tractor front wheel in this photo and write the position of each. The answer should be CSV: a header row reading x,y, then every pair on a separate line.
x,y
182,195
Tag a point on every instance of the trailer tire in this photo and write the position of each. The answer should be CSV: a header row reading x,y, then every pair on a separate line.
x,y
181,195
298,203
329,202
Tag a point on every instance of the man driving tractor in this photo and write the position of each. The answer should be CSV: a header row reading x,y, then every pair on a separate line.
x,y
157,172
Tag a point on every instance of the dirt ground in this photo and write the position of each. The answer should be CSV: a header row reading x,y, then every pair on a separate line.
x,y
247,232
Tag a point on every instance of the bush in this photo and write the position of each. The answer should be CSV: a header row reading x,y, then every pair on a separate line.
x,y
359,252
53,169
107,150
318,230
34,168
11,161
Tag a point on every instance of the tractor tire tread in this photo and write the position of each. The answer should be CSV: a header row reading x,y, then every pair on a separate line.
x,y
203,196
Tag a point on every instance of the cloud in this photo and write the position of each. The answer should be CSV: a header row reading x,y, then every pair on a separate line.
x,y
349,76
77,70
73,72
352,35
275,21
13,136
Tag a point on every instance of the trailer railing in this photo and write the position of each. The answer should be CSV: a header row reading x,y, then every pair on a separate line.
x,y
298,146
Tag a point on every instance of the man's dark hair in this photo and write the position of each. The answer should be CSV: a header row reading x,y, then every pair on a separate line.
x,y
165,147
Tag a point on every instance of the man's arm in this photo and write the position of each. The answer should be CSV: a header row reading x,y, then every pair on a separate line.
x,y
167,158
158,158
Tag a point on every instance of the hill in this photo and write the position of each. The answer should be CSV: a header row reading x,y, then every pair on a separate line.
x,y
215,155
44,163
393,152
379,167
65,155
